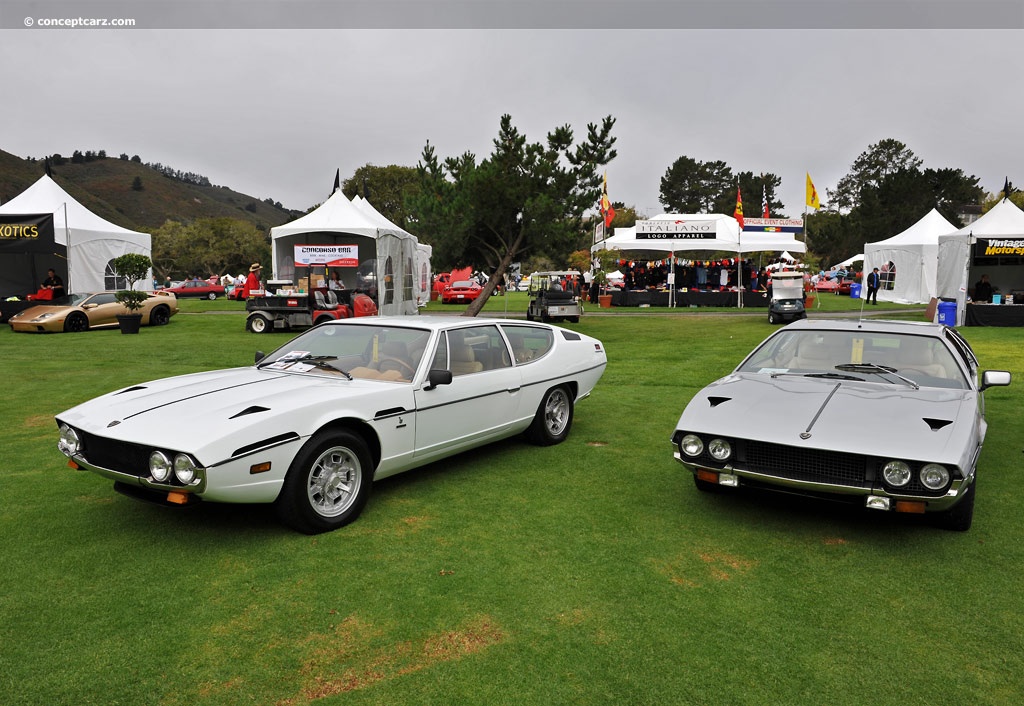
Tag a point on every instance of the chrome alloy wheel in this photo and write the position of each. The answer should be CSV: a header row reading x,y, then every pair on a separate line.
x,y
334,481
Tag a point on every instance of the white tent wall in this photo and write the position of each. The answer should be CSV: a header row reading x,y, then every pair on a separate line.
x,y
90,241
424,277
915,254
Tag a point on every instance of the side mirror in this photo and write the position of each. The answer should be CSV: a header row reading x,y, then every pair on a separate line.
x,y
438,377
994,378
260,355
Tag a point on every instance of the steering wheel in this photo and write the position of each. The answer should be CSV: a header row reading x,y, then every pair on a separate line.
x,y
391,363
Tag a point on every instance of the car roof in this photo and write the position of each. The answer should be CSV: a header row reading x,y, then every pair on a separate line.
x,y
433,322
919,328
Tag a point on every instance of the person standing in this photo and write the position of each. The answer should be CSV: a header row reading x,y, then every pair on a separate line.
x,y
252,282
983,290
873,282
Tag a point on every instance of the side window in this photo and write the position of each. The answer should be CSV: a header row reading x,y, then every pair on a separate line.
x,y
476,349
103,298
528,343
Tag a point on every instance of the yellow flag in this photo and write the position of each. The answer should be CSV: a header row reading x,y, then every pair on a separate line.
x,y
812,194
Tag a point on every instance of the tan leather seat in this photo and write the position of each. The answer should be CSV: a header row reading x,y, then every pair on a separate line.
x,y
464,361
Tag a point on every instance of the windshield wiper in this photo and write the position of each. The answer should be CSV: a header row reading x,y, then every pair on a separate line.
x,y
877,370
833,376
319,361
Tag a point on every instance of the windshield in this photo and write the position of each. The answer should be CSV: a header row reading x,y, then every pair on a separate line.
x,y
860,355
371,352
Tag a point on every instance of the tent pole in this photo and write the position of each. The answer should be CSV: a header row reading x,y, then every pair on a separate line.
x,y
67,238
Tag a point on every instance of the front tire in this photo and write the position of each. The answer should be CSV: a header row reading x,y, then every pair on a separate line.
x,y
328,483
960,517
772,318
554,418
76,323
211,296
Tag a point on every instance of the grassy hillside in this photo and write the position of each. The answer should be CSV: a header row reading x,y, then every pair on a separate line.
x,y
105,187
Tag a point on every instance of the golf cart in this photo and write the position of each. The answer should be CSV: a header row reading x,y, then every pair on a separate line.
x,y
787,298
550,300
286,310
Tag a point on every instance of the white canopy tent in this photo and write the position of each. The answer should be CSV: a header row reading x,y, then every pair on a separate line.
x,y
420,272
386,253
83,244
915,255
713,232
1003,222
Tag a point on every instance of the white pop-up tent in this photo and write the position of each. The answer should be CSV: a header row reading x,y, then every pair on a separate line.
x,y
684,232
384,254
914,257
998,233
79,246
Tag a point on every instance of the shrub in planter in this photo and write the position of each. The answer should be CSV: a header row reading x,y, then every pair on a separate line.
x,y
133,267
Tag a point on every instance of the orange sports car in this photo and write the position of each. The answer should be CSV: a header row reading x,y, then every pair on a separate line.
x,y
81,312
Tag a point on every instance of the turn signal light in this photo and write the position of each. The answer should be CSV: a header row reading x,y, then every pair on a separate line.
x,y
177,498
72,464
259,468
910,506
707,476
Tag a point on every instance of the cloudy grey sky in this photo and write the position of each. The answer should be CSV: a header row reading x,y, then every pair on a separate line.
x,y
274,112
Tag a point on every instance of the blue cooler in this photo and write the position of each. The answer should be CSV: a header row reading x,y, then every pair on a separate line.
x,y
855,290
947,313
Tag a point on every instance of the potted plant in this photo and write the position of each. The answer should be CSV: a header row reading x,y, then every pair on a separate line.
x,y
606,260
133,267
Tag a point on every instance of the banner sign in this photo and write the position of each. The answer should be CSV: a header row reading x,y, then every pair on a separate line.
x,y
27,233
987,247
773,225
675,230
327,255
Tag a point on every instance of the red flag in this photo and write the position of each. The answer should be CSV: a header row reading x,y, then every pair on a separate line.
x,y
764,202
606,206
738,213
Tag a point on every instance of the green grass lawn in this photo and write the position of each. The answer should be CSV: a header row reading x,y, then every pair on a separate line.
x,y
592,572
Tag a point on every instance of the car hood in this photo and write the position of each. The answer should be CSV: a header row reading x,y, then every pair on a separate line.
x,y
859,417
184,410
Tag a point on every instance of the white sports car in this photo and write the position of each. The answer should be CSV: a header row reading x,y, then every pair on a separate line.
x,y
312,425
887,414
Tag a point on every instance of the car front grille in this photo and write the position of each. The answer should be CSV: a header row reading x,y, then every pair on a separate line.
x,y
807,464
119,456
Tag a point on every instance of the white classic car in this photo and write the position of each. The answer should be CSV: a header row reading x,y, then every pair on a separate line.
x,y
312,425
887,414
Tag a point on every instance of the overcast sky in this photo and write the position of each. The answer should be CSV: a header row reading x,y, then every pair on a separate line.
x,y
273,113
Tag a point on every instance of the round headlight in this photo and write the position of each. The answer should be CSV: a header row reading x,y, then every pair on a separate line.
x,y
69,444
184,469
159,466
691,445
896,473
720,449
933,476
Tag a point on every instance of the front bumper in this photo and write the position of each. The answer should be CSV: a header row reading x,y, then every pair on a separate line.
x,y
874,495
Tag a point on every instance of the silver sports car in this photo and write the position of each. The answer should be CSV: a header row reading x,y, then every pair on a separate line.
x,y
887,414
312,425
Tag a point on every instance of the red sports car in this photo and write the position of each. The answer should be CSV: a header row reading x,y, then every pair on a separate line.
x,y
197,288
462,291
834,286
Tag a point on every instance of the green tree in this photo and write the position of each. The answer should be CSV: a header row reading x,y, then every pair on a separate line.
x,y
137,184
388,189
690,186
132,267
525,199
208,246
884,158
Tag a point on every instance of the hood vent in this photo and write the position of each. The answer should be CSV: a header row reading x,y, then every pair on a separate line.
x,y
715,401
134,388
250,410
937,424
